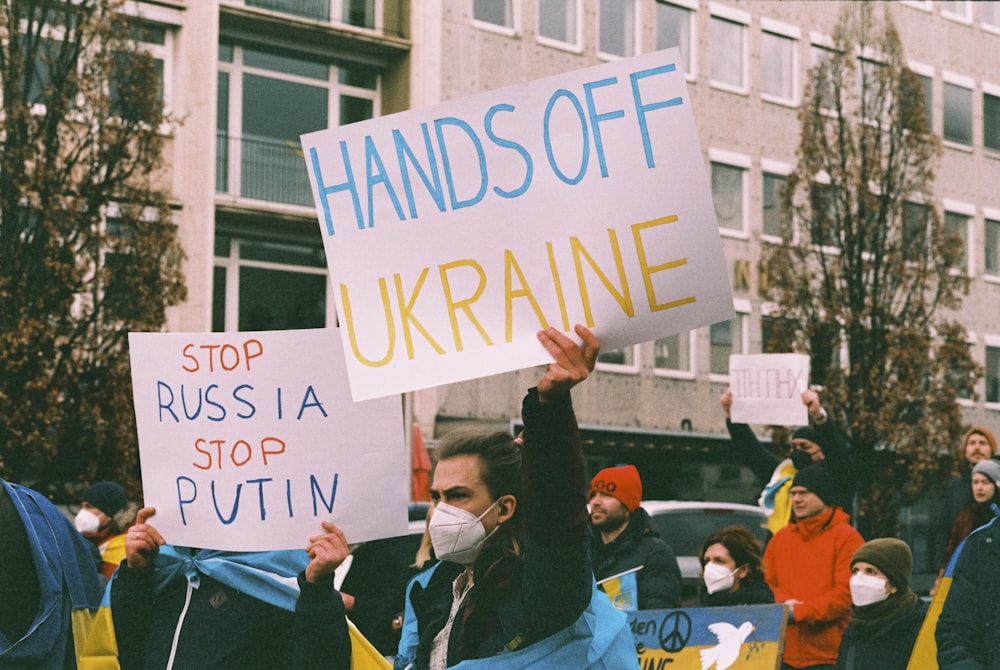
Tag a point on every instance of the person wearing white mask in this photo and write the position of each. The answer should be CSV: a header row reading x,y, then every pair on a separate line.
x,y
105,514
510,528
732,569
885,614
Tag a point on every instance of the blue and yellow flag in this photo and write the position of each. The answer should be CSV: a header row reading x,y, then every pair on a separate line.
x,y
622,589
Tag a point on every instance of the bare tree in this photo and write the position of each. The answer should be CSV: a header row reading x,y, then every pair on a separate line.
x,y
867,269
88,251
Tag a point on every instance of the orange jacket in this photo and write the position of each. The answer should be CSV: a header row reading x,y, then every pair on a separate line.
x,y
810,560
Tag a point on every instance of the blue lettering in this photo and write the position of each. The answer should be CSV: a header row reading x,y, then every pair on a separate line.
x,y
159,398
563,93
641,108
209,401
279,403
306,402
325,190
236,395
260,494
317,492
439,125
596,118
509,144
434,189
288,497
236,505
181,500
188,415
372,157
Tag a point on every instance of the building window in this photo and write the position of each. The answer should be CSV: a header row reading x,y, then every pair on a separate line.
x,y
957,114
960,10
777,335
825,224
727,43
268,285
557,20
724,339
673,29
674,353
993,374
774,185
991,121
618,359
823,57
617,27
727,195
914,240
928,86
266,101
989,12
992,239
957,225
777,62
497,12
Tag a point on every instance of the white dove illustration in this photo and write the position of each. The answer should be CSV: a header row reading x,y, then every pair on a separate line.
x,y
730,639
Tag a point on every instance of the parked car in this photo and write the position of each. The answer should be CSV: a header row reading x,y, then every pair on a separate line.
x,y
685,525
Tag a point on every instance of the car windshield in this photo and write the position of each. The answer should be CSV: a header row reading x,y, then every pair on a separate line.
x,y
686,530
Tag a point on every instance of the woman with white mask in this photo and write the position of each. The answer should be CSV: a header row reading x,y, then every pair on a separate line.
x,y
885,614
732,570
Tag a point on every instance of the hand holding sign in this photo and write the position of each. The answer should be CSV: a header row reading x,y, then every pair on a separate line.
x,y
572,363
767,389
326,552
143,541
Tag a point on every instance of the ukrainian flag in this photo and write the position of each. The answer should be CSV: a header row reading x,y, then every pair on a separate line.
x,y
622,589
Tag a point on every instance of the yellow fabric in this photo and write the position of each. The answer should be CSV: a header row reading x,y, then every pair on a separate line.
x,y
364,655
113,551
782,501
81,621
924,654
101,649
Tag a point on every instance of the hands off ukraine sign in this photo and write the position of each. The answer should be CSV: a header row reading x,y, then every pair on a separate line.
x,y
454,232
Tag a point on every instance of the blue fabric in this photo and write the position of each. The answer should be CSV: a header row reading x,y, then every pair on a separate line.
x,y
269,576
67,580
599,640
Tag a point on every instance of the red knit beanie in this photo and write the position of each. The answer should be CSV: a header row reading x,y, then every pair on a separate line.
x,y
621,482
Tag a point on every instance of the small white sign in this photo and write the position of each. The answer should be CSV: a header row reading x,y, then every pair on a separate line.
x,y
767,388
248,440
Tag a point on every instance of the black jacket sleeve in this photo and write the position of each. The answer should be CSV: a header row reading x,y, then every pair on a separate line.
x,y
319,631
839,463
557,579
753,454
131,607
964,627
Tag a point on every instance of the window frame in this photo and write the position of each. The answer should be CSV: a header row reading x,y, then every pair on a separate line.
x,y
777,169
794,35
964,17
672,373
621,368
743,20
962,82
691,7
993,91
743,163
574,47
927,72
991,215
989,27
969,212
990,341
636,46
510,31
742,310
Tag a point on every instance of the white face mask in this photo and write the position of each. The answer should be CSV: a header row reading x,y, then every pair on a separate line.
x,y
867,589
457,534
718,578
87,522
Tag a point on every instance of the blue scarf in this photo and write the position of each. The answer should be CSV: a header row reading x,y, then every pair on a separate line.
x,y
67,580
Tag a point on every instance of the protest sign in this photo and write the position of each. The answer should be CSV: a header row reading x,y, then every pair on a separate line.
x,y
247,441
767,388
744,637
454,232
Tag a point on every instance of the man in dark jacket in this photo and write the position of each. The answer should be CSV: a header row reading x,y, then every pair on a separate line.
x,y
624,538
969,625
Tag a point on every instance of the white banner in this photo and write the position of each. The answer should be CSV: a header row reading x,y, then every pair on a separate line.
x,y
248,440
455,232
767,388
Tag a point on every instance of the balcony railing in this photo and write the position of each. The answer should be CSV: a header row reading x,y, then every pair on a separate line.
x,y
265,169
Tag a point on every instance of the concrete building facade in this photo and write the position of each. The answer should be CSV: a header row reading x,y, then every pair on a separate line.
x,y
249,76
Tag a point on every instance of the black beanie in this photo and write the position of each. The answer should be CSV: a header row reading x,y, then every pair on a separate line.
x,y
108,497
818,480
893,557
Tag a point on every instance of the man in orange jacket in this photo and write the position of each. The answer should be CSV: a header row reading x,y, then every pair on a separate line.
x,y
808,566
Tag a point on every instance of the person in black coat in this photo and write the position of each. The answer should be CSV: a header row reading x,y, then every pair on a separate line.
x,y
733,570
623,538
885,614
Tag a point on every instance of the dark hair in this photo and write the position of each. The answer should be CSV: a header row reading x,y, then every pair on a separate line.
x,y
499,458
743,547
